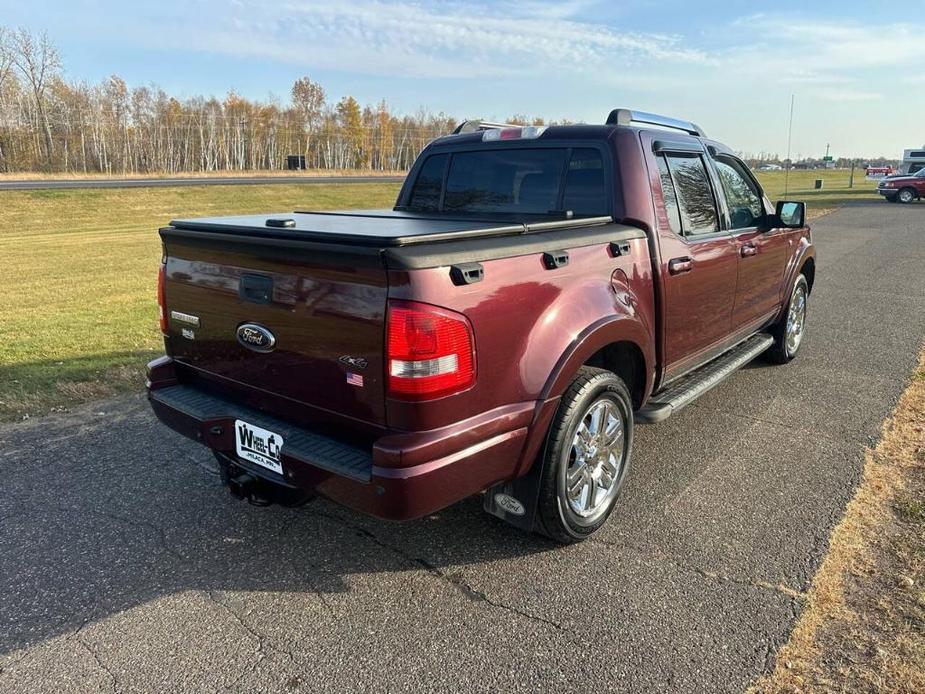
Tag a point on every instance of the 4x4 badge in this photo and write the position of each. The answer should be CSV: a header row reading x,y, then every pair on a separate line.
x,y
356,362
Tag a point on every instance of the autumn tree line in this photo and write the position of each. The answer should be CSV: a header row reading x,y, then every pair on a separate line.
x,y
51,124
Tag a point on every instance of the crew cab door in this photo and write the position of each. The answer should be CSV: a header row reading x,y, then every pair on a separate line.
x,y
762,252
698,263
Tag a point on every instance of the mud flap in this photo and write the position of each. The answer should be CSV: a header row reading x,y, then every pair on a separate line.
x,y
515,501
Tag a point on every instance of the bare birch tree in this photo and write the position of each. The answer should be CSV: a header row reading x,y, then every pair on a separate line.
x,y
37,61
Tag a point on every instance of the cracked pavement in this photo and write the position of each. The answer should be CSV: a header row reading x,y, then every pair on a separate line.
x,y
124,566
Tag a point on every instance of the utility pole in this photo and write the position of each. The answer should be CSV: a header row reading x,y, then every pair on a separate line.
x,y
789,142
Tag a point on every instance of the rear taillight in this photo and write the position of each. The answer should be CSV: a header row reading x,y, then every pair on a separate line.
x,y
430,351
161,299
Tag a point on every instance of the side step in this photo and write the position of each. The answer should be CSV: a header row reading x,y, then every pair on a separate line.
x,y
684,391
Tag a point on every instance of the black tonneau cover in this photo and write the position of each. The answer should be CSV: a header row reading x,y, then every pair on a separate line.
x,y
378,228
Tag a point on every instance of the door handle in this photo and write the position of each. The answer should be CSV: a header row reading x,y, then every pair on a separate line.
x,y
748,249
678,265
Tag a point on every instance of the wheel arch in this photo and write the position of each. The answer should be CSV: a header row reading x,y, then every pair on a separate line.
x,y
608,344
626,360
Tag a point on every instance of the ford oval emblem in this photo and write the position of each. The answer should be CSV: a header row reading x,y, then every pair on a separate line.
x,y
509,504
256,337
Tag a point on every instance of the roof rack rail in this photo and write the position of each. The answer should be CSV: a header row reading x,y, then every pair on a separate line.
x,y
474,126
625,116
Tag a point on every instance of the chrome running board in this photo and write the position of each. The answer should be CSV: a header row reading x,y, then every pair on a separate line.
x,y
684,391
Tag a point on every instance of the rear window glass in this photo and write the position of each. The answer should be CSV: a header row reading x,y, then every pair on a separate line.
x,y
584,183
426,193
524,181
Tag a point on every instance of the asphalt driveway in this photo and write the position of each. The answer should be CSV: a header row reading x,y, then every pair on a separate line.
x,y
125,566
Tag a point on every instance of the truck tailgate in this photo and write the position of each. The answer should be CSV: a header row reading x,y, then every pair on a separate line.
x,y
326,313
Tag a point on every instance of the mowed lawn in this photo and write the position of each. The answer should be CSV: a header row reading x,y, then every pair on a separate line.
x,y
78,312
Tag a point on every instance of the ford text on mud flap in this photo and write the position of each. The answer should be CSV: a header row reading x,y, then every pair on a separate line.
x,y
496,331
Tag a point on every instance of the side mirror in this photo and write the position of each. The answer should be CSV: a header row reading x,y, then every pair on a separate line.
x,y
791,215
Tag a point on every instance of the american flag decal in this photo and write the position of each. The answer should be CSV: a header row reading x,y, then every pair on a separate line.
x,y
354,379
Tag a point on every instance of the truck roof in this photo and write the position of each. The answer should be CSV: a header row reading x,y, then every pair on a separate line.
x,y
476,130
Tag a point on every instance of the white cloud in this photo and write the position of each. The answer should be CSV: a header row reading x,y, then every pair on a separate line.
x,y
836,49
442,40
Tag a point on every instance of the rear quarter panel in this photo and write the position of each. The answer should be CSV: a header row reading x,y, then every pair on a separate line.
x,y
530,322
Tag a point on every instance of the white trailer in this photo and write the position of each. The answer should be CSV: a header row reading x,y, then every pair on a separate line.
x,y
913,160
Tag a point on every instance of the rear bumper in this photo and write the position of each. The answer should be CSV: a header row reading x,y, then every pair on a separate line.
x,y
400,477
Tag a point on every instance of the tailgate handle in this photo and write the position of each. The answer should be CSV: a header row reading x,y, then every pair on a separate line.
x,y
257,289
467,273
554,259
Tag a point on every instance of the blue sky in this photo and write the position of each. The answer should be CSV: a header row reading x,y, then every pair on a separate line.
x,y
857,68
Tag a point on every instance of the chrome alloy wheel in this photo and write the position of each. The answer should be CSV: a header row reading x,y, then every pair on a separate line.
x,y
906,195
596,460
796,319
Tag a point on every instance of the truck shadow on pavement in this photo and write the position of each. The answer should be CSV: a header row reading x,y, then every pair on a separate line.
x,y
118,512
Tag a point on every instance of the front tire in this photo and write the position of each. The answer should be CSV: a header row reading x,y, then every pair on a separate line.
x,y
906,195
789,330
587,456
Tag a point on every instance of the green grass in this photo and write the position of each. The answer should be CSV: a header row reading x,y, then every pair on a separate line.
x,y
78,312
77,292
911,510
834,192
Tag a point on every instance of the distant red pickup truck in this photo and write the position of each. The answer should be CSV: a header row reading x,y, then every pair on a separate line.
x,y
534,293
903,188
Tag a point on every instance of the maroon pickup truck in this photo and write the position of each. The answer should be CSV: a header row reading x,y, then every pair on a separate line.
x,y
903,188
534,293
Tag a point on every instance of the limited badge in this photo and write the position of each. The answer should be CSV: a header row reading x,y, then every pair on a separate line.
x,y
185,318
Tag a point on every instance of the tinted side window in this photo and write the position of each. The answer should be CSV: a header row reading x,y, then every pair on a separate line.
x,y
744,202
695,196
425,196
671,198
584,183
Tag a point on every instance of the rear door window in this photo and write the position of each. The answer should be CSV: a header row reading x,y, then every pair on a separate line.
x,y
671,198
696,203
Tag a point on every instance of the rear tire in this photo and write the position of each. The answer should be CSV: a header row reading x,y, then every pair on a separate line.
x,y
586,457
906,195
789,331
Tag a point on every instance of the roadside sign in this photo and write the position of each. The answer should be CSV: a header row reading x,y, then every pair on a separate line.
x,y
875,173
